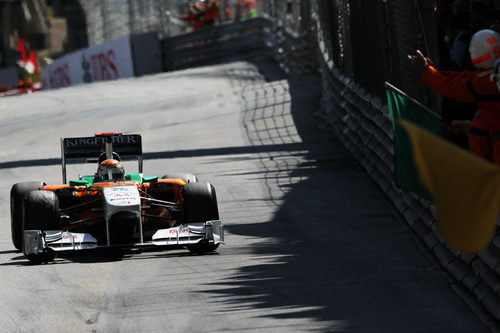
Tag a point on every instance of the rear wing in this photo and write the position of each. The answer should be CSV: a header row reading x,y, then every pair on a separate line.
x,y
94,146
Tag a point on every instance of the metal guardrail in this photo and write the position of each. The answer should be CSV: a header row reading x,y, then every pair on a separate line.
x,y
225,42
254,38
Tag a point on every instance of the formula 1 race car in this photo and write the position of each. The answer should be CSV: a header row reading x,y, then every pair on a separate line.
x,y
113,209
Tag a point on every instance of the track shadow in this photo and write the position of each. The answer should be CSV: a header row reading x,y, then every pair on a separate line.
x,y
9,251
164,155
334,252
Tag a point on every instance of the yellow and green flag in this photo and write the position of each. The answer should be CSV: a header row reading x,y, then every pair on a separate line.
x,y
465,189
401,106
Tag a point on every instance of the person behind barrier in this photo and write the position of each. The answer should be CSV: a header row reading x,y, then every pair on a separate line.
x,y
211,16
480,140
471,86
245,9
454,55
201,13
194,16
228,13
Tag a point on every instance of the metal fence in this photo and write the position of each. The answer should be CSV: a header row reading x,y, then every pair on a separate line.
x,y
110,19
367,40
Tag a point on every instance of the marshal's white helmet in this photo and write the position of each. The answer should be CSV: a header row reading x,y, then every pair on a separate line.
x,y
484,48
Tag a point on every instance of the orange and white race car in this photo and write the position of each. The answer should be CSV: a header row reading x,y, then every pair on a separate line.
x,y
113,209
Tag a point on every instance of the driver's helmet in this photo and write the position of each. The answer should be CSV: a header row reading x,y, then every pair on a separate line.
x,y
110,170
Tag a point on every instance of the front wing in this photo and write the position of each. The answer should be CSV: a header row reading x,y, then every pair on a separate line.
x,y
37,242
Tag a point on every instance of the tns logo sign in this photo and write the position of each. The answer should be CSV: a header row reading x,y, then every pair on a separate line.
x,y
60,76
103,66
99,67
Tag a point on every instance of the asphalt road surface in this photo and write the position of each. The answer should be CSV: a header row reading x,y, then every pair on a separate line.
x,y
312,245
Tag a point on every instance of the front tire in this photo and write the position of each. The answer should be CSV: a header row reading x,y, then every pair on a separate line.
x,y
17,194
41,212
200,205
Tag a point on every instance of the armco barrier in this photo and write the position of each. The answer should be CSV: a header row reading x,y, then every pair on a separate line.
x,y
253,38
225,42
361,122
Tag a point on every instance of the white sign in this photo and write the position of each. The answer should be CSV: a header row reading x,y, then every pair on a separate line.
x,y
108,61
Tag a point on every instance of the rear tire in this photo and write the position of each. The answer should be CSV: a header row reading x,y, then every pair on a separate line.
x,y
17,194
187,177
41,212
200,205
